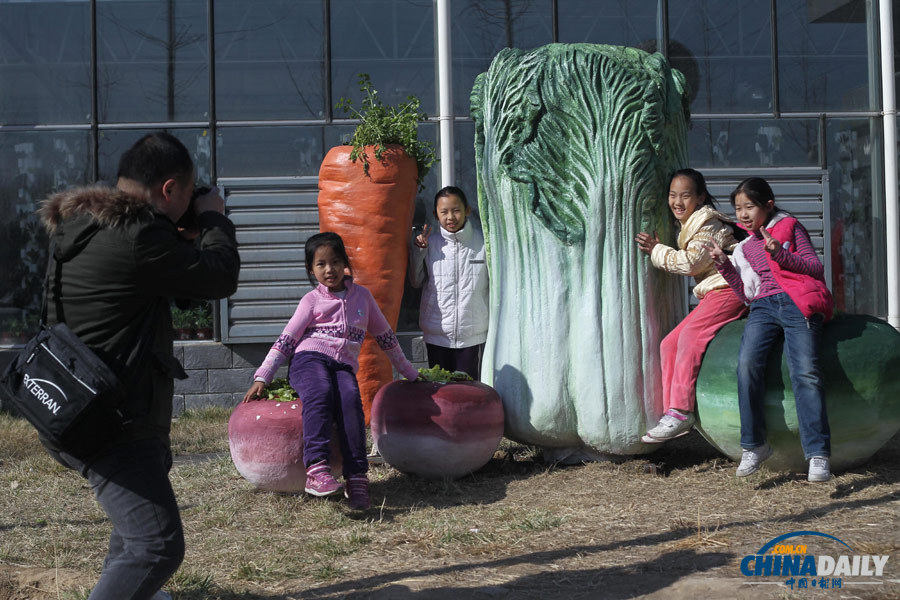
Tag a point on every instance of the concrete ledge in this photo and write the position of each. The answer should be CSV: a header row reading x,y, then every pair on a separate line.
x,y
249,356
196,383
206,400
230,380
205,355
177,405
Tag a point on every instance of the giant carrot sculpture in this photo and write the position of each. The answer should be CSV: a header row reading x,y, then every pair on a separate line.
x,y
373,214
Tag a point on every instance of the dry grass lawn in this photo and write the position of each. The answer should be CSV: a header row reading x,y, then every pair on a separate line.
x,y
673,524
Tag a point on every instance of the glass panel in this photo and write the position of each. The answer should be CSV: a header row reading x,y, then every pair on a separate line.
x,y
466,177
754,143
44,62
269,151
152,60
338,135
618,23
113,142
428,132
270,59
392,41
724,50
409,306
481,28
857,217
36,164
822,56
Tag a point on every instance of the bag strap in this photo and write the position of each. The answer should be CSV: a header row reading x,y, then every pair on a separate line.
x,y
43,322
60,317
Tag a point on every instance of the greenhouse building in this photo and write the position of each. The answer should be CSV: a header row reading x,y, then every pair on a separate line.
x,y
801,92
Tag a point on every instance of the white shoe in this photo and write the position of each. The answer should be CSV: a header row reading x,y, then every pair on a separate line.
x,y
161,595
819,469
752,459
670,427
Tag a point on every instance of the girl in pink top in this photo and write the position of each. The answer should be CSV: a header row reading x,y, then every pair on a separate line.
x,y
322,341
776,270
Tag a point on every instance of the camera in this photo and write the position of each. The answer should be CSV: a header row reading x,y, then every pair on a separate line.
x,y
189,219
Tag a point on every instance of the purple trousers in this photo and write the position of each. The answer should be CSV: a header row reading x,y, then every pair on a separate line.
x,y
330,394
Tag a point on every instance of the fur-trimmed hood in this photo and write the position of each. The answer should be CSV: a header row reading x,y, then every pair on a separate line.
x,y
107,206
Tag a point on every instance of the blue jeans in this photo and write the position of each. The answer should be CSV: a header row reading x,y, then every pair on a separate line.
x,y
330,394
131,484
769,317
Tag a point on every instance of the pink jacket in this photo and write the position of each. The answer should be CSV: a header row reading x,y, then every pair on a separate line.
x,y
335,327
808,292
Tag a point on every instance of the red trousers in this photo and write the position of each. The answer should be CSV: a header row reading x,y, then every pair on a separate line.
x,y
681,352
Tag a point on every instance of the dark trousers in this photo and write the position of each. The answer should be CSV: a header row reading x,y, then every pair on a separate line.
x,y
131,484
330,394
467,360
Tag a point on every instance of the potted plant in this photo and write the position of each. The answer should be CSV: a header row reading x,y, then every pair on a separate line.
x,y
21,329
30,324
265,438
182,322
202,322
443,426
10,331
367,195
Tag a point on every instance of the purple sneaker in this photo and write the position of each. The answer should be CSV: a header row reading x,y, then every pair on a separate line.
x,y
357,491
319,481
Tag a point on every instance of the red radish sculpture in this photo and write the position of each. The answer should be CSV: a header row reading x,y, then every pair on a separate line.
x,y
266,442
437,430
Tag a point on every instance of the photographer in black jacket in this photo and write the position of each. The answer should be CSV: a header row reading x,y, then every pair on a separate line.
x,y
120,260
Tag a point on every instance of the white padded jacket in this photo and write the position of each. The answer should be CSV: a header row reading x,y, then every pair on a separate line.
x,y
454,309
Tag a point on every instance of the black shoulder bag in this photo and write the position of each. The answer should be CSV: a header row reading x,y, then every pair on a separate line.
x,y
74,400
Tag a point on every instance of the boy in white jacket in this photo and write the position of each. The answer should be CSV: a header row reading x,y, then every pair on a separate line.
x,y
451,263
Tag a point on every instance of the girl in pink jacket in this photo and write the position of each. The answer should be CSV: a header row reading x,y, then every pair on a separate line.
x,y
777,272
322,341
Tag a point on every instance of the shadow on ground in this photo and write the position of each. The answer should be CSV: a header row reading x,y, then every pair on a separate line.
x,y
613,582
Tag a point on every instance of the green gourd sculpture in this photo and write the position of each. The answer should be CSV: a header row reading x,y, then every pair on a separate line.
x,y
860,358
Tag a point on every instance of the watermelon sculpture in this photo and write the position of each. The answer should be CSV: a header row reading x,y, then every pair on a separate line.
x,y
437,430
573,144
861,367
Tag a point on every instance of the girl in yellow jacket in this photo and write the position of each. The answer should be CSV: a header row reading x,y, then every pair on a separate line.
x,y
681,352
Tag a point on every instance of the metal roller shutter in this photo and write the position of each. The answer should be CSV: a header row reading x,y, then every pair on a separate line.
x,y
273,217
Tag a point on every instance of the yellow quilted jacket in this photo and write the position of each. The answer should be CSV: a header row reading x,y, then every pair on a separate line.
x,y
692,258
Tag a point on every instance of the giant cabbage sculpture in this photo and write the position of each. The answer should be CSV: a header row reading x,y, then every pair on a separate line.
x,y
573,143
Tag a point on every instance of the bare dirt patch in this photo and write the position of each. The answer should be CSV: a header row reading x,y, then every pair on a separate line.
x,y
673,524
31,583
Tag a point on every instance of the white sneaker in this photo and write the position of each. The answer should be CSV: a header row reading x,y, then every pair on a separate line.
x,y
751,460
669,427
161,595
819,469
